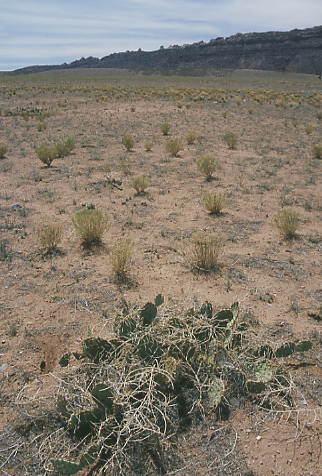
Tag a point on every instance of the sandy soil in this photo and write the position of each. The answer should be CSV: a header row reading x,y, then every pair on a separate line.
x,y
49,303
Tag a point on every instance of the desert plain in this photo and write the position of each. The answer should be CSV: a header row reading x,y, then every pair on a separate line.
x,y
50,302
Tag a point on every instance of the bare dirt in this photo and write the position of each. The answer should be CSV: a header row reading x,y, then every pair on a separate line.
x,y
49,303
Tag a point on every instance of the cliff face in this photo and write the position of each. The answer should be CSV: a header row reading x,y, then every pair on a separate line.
x,y
294,51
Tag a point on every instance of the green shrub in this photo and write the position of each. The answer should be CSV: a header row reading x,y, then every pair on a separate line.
x,y
206,165
205,250
287,222
46,154
139,183
3,149
317,151
319,116
214,202
128,141
174,146
165,128
90,226
120,256
231,140
50,236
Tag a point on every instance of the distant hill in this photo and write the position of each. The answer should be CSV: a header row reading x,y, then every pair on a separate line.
x,y
297,51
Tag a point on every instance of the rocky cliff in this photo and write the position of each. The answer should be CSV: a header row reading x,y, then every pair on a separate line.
x,y
294,51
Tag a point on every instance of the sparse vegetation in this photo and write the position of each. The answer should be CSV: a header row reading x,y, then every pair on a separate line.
x,y
309,129
3,149
287,222
50,236
317,151
205,250
173,146
121,255
165,128
48,153
148,145
214,203
191,137
90,226
128,141
206,165
231,140
139,183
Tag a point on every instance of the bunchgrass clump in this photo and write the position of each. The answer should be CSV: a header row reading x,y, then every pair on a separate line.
x,y
205,250
48,153
128,141
139,183
287,222
50,236
317,151
214,202
191,137
120,256
231,140
3,149
174,146
309,129
148,146
90,226
206,165
165,128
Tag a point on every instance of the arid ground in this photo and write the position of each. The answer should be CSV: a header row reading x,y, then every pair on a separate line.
x,y
50,302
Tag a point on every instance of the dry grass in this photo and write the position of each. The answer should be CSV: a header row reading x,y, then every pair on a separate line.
x,y
140,183
90,226
3,149
50,235
205,251
287,222
206,165
121,255
174,146
214,203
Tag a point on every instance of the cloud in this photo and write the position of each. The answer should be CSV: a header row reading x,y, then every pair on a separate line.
x,y
44,32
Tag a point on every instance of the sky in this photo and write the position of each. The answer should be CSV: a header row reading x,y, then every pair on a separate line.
x,y
42,32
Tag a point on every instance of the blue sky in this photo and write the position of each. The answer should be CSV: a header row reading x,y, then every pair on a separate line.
x,y
57,31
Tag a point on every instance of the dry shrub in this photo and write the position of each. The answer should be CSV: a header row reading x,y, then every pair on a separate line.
x,y
148,146
47,153
128,141
165,128
231,140
191,137
3,149
173,146
50,236
205,250
139,183
317,151
287,222
121,255
90,226
206,165
214,202
309,129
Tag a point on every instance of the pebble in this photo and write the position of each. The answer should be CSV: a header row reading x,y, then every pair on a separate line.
x,y
258,438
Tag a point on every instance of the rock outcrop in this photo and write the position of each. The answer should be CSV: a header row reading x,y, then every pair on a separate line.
x,y
297,51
